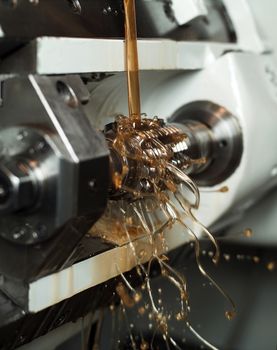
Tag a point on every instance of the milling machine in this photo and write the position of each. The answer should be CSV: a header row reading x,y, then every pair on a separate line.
x,y
207,66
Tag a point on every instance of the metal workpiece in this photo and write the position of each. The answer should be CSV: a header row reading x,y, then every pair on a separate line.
x,y
54,174
155,18
55,107
29,173
204,141
93,55
19,181
18,186
198,148
216,135
46,46
138,170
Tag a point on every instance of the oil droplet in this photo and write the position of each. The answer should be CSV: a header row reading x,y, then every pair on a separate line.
x,y
141,310
180,316
248,233
224,189
271,266
129,220
230,315
227,257
144,345
117,180
124,296
137,297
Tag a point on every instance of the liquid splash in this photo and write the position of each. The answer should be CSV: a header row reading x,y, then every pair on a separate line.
x,y
149,204
150,196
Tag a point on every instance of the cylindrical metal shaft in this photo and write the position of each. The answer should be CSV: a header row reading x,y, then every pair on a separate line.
x,y
207,151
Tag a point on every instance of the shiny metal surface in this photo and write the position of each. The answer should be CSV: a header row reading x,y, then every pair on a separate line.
x,y
65,29
199,146
94,271
18,189
196,147
73,19
77,56
223,147
29,174
57,149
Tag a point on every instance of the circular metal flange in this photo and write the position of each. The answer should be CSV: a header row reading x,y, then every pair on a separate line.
x,y
28,185
226,136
